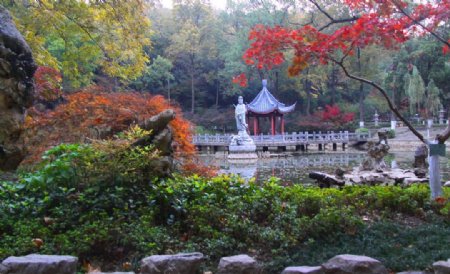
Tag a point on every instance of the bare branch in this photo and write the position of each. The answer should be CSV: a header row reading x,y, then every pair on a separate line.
x,y
386,97
417,22
331,18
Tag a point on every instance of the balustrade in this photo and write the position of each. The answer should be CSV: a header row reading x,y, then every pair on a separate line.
x,y
295,138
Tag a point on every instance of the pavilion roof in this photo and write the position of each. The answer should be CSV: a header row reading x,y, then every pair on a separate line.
x,y
265,103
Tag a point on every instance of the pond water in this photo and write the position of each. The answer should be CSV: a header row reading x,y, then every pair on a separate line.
x,y
295,168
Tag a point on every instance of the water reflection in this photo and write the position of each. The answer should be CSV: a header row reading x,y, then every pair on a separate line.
x,y
295,169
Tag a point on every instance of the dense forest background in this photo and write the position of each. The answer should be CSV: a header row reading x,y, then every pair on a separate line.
x,y
190,54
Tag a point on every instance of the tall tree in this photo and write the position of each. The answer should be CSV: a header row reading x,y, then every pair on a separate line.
x,y
78,37
190,44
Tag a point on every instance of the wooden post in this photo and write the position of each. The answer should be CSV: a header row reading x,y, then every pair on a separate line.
x,y
255,126
282,124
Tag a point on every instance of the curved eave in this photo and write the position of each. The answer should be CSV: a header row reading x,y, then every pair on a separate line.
x,y
284,110
280,109
259,111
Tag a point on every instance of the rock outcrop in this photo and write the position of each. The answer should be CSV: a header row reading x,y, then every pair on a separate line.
x,y
353,264
303,270
239,264
40,264
442,267
186,263
161,138
16,90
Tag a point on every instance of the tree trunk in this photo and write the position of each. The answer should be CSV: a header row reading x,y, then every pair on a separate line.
x,y
307,88
333,85
308,103
217,93
277,82
192,93
361,90
168,90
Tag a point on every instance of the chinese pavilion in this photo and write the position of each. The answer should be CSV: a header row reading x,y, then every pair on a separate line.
x,y
265,105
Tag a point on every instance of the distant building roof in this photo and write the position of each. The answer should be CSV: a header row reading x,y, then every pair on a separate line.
x,y
265,103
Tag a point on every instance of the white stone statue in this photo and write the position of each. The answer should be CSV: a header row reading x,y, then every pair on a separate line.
x,y
239,113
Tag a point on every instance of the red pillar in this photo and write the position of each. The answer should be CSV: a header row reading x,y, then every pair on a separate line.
x,y
255,125
282,125
272,120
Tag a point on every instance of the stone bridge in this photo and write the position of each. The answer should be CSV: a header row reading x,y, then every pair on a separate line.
x,y
296,141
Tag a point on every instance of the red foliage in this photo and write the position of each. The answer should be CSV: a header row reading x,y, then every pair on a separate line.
x,y
241,79
334,115
193,166
446,49
98,115
48,84
381,22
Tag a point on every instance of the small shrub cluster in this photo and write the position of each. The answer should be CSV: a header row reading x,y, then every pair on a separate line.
x,y
390,133
362,130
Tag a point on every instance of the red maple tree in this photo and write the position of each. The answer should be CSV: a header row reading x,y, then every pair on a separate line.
x,y
333,114
381,22
48,84
93,113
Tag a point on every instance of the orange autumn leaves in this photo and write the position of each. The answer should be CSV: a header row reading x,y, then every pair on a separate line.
x,y
93,113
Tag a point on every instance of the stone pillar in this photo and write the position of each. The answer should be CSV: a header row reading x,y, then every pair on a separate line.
x,y
441,116
376,118
393,124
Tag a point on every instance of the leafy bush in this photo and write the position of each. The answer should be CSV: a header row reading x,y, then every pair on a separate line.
x,y
124,218
86,202
391,133
362,130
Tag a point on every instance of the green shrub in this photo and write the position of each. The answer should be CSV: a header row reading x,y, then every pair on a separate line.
x,y
391,133
79,207
362,130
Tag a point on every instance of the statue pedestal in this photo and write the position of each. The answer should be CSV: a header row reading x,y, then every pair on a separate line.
x,y
242,148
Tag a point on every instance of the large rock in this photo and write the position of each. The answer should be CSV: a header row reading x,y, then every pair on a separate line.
x,y
303,270
375,157
41,264
16,90
420,157
182,263
239,264
353,264
442,267
114,272
412,272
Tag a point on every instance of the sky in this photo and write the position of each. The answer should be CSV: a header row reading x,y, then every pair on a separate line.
x,y
218,4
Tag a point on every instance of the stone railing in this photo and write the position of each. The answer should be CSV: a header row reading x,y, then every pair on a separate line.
x,y
295,138
190,263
